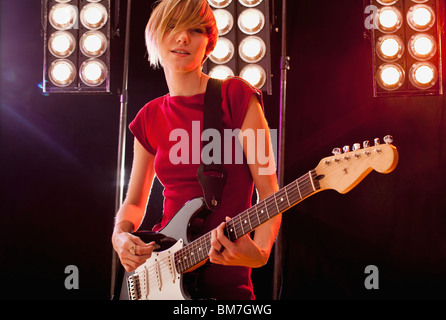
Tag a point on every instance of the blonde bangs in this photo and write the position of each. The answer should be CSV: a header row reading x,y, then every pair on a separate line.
x,y
176,15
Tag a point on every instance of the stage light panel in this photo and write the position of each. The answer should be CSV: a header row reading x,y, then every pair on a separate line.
x,y
243,42
77,46
251,21
421,17
407,57
225,21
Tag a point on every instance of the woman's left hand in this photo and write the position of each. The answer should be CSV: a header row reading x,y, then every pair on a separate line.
x,y
243,252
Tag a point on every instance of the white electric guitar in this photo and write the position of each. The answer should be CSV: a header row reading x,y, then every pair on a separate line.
x,y
161,276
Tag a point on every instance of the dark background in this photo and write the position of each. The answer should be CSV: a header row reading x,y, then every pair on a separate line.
x,y
59,154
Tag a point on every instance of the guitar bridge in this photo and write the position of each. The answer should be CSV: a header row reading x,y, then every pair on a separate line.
x,y
134,287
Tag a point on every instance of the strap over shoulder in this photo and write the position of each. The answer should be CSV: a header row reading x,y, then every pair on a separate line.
x,y
212,176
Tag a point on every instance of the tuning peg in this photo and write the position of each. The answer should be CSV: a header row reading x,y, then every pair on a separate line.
x,y
388,139
366,144
346,149
377,142
356,146
336,151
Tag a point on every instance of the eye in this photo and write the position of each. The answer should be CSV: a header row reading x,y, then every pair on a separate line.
x,y
198,30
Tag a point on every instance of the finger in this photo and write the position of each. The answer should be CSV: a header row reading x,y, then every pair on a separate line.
x,y
215,244
145,250
224,241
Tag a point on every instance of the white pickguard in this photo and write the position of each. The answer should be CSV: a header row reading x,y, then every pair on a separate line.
x,y
157,278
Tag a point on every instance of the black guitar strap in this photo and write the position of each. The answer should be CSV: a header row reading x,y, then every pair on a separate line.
x,y
212,176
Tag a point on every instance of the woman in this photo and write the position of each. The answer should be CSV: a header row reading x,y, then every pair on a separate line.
x,y
180,35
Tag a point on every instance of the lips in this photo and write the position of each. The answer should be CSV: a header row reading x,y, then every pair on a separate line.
x,y
180,51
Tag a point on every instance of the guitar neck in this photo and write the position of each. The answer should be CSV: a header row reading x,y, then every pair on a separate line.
x,y
245,222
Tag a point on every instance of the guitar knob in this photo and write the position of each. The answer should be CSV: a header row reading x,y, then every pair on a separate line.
x,y
377,142
346,149
388,139
336,151
366,144
356,146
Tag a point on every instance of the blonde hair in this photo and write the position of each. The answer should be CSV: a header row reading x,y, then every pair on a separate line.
x,y
177,15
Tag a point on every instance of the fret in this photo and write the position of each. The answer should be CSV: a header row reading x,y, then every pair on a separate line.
x,y
286,194
257,213
241,223
249,219
267,213
231,232
311,179
298,189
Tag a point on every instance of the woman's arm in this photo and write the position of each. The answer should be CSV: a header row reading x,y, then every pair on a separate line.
x,y
131,250
246,251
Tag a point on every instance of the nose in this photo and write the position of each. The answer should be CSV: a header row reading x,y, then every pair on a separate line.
x,y
182,37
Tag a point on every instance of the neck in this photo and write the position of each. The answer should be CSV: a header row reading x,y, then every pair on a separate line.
x,y
186,83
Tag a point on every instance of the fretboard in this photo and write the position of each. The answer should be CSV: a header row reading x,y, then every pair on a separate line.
x,y
245,222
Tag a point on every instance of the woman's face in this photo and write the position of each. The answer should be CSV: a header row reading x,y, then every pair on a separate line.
x,y
184,50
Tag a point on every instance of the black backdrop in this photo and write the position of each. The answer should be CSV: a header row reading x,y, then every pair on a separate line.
x,y
58,163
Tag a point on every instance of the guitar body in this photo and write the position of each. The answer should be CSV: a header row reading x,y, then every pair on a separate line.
x,y
157,278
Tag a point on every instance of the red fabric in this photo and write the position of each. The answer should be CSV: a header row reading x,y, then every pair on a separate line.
x,y
153,126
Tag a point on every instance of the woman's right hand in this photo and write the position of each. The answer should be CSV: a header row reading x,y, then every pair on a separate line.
x,y
132,251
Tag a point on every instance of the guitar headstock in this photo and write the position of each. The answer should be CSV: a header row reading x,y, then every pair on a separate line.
x,y
346,168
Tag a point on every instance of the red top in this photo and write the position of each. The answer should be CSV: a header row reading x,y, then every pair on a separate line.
x,y
177,161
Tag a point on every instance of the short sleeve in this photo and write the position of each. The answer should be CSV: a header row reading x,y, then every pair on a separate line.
x,y
236,96
140,128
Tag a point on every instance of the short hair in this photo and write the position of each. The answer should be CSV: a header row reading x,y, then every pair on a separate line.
x,y
187,14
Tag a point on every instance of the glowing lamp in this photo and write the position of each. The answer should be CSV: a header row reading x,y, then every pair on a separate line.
x,y
93,72
94,16
62,72
390,48
390,76
223,52
61,44
423,75
389,19
421,17
254,74
252,49
221,72
251,21
93,44
63,16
